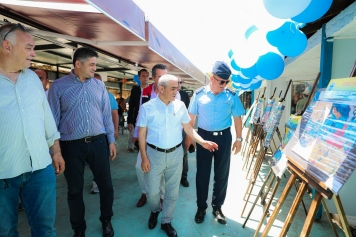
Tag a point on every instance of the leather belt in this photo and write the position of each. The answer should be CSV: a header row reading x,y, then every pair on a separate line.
x,y
164,150
88,139
214,133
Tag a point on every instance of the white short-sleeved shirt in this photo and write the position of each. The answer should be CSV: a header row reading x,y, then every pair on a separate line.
x,y
163,122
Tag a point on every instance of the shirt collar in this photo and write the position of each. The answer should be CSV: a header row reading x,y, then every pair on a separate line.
x,y
74,77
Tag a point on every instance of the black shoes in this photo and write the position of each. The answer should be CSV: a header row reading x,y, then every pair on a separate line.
x,y
108,231
79,234
142,200
184,182
219,216
199,216
168,228
152,221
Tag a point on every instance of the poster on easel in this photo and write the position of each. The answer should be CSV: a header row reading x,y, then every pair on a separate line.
x,y
278,161
257,111
323,144
267,110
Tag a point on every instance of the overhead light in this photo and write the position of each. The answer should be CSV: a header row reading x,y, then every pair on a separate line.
x,y
53,5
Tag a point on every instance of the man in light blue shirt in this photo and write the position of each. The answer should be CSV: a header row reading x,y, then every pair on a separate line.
x,y
215,106
28,131
160,128
81,109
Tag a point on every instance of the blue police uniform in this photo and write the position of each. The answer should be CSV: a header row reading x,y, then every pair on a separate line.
x,y
214,121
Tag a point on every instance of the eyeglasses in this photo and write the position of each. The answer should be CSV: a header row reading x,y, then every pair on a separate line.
x,y
222,82
18,25
180,82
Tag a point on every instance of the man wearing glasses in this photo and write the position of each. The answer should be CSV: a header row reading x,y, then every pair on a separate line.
x,y
27,131
215,105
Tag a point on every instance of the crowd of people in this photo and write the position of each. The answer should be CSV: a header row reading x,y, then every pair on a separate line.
x,y
75,123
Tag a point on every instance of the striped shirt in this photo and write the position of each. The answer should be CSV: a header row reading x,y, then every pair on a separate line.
x,y
26,124
81,109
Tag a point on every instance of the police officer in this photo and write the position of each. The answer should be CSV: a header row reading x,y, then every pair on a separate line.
x,y
215,105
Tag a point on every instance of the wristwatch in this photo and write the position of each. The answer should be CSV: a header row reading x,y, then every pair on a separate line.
x,y
240,139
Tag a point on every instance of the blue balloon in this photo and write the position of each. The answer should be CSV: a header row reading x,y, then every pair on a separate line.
x,y
283,35
234,65
270,66
256,85
315,10
239,79
230,53
249,31
250,72
135,79
296,46
236,86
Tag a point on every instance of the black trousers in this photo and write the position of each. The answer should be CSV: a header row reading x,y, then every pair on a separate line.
x,y
185,158
221,168
96,154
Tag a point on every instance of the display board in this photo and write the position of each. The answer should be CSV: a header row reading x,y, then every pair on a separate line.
x,y
278,161
323,144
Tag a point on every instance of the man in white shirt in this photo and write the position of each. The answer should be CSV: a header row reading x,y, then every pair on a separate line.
x,y
160,121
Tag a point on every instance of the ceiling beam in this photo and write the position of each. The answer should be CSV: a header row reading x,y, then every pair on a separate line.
x,y
116,69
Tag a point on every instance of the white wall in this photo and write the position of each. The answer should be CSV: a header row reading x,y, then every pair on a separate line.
x,y
344,56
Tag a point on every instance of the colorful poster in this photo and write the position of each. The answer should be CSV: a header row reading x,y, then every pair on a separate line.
x,y
278,161
324,142
257,113
341,89
267,111
274,118
269,122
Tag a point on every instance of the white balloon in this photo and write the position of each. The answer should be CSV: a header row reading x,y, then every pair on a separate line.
x,y
262,19
284,9
244,55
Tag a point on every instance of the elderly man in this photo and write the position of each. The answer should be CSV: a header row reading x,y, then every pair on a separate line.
x,y
149,92
43,75
216,105
81,108
160,121
27,131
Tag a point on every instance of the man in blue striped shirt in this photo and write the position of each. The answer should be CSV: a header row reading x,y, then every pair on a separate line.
x,y
81,108
27,131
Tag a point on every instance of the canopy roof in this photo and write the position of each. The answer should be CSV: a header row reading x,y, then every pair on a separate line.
x,y
115,28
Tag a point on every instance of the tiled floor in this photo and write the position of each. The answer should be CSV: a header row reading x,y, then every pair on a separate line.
x,y
128,220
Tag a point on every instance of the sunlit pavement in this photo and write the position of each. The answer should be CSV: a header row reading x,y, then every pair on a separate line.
x,y
128,220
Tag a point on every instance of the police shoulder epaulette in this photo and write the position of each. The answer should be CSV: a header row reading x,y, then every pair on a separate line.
x,y
197,91
231,91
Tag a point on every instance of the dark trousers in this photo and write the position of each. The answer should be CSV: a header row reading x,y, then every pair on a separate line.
x,y
221,169
185,158
96,154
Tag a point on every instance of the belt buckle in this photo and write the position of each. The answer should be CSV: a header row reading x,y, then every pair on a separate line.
x,y
215,133
87,141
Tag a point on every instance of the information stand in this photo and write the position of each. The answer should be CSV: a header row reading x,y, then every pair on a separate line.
x,y
322,153
275,117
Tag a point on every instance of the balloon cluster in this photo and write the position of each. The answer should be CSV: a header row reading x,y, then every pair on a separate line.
x,y
274,34
136,79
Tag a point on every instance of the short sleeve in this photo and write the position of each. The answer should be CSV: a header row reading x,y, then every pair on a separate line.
x,y
237,109
193,106
142,117
113,103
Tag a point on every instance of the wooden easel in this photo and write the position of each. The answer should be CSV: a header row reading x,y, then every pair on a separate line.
x,y
322,191
276,185
249,127
254,140
258,164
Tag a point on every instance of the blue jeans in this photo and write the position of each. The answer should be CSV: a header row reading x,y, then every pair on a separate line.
x,y
37,191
